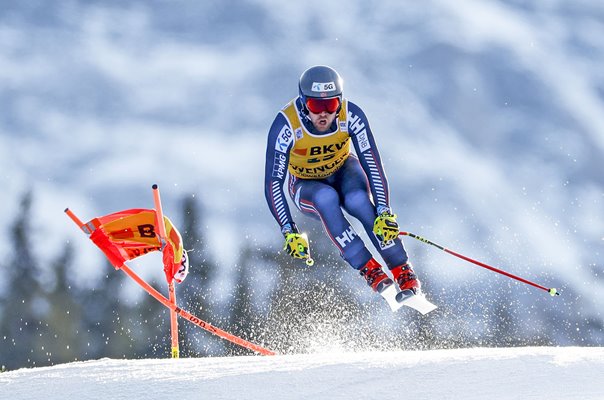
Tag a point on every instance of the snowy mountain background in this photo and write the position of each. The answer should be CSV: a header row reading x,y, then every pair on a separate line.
x,y
489,116
471,374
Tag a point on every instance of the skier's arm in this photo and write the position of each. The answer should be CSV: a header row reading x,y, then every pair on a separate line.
x,y
369,156
280,141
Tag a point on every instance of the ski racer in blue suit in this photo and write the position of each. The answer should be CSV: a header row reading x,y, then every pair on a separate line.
x,y
309,146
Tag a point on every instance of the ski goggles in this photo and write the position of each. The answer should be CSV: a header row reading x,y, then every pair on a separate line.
x,y
317,106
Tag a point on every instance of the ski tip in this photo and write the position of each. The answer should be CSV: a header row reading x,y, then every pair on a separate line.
x,y
154,187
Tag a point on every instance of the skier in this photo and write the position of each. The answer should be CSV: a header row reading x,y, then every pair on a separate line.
x,y
309,141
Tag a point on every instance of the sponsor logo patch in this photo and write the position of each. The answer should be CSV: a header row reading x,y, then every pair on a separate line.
x,y
346,237
328,148
279,167
356,125
323,86
358,129
386,245
284,138
319,172
363,141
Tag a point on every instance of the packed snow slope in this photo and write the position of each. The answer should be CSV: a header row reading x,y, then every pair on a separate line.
x,y
480,373
488,116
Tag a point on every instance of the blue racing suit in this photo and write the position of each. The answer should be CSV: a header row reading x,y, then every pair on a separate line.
x,y
324,178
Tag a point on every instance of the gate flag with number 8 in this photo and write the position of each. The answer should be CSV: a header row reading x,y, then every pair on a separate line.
x,y
126,235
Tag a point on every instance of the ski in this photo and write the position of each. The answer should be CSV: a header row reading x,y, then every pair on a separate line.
x,y
397,299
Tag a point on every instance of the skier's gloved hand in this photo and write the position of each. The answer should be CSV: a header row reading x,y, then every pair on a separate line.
x,y
183,271
385,226
296,245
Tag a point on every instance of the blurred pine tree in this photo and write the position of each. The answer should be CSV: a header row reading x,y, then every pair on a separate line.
x,y
24,304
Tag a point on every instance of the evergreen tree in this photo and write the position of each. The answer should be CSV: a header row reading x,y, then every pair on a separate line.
x,y
244,308
24,303
148,324
103,313
196,294
60,338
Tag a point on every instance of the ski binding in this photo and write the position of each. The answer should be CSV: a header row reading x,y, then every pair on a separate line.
x,y
396,299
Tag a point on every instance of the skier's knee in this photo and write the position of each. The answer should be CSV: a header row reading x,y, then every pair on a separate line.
x,y
326,198
356,200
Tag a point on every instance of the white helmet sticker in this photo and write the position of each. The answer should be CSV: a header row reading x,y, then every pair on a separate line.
x,y
323,86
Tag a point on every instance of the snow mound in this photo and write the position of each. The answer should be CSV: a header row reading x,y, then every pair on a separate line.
x,y
479,373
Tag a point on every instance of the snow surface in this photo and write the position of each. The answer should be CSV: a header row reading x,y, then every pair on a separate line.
x,y
480,373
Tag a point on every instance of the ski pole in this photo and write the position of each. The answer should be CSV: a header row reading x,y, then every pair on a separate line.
x,y
551,291
161,224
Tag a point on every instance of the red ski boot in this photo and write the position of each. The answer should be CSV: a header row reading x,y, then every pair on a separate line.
x,y
375,276
406,278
